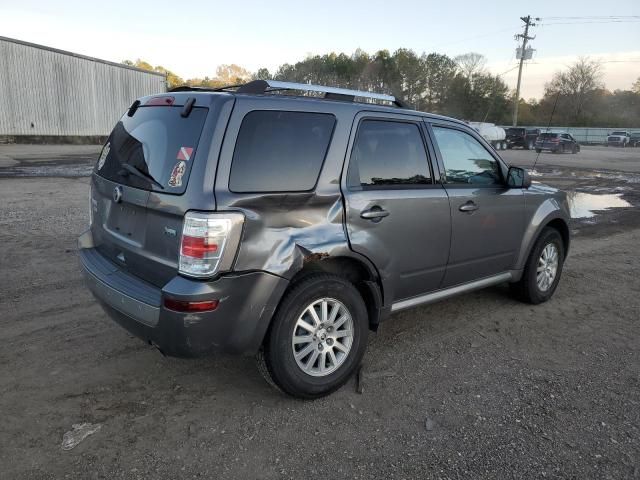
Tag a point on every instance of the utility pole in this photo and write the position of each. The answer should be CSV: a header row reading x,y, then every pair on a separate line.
x,y
525,38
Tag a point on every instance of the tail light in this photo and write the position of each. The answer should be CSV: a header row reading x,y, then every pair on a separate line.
x,y
209,243
555,140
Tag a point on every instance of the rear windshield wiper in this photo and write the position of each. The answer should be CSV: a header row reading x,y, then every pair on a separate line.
x,y
139,173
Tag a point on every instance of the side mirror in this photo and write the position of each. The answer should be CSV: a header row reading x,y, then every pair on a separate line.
x,y
518,178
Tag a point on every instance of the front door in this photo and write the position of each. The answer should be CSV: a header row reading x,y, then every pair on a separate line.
x,y
397,215
487,217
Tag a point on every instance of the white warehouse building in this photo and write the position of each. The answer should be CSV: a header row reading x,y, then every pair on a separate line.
x,y
47,93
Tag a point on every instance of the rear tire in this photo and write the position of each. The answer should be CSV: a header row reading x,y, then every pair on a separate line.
x,y
541,273
308,353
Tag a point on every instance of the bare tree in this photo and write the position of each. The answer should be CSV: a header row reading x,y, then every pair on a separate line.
x,y
471,64
577,85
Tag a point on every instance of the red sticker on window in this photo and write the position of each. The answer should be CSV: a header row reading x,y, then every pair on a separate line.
x,y
184,153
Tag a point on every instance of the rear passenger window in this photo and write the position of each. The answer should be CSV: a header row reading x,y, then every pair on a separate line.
x,y
388,154
280,151
465,159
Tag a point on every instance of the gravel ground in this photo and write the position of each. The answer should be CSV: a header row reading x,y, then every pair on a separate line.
x,y
480,386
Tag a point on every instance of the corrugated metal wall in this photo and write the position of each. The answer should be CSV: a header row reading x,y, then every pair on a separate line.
x,y
50,92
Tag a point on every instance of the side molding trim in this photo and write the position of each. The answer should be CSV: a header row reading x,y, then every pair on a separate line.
x,y
451,291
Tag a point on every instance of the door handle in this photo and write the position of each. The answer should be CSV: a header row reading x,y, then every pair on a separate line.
x,y
374,214
468,207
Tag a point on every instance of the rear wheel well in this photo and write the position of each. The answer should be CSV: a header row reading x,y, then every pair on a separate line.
x,y
562,228
356,273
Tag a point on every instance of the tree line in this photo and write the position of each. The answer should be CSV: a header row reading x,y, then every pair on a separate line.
x,y
459,87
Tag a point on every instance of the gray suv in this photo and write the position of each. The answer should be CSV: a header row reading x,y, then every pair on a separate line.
x,y
286,221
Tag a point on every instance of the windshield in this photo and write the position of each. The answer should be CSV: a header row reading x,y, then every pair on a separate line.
x,y
156,146
619,133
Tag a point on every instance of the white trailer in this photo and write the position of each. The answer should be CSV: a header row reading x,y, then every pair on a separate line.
x,y
493,134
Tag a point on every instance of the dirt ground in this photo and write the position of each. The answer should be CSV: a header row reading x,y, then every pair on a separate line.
x,y
480,386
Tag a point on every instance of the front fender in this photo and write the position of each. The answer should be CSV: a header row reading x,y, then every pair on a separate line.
x,y
539,215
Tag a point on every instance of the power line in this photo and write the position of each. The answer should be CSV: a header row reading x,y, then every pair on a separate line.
x,y
488,34
591,17
507,71
545,24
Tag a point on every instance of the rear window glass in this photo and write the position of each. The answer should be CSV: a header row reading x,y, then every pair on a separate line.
x,y
515,131
280,151
155,143
548,135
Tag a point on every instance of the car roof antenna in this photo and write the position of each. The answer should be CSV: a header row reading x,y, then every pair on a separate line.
x,y
555,104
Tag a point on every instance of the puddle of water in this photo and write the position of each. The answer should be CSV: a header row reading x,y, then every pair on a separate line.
x,y
603,175
584,205
552,173
47,171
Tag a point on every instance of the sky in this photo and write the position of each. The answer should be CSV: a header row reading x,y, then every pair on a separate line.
x,y
192,38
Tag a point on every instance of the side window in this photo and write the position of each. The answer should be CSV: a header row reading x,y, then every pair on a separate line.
x,y
280,151
466,161
388,154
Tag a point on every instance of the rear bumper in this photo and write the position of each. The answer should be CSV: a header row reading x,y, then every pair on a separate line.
x,y
238,325
551,148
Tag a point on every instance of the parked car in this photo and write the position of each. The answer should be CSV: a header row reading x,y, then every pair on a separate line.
x,y
522,137
634,139
557,143
287,226
619,138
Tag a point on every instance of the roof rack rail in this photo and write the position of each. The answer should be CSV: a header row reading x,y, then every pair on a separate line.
x,y
189,88
333,93
265,86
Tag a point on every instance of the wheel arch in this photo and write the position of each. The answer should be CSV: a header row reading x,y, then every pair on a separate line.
x,y
562,227
358,271
543,219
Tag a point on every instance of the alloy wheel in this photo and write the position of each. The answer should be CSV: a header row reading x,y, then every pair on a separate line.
x,y
547,267
322,337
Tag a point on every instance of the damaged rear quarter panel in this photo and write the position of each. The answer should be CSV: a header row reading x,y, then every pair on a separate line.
x,y
284,230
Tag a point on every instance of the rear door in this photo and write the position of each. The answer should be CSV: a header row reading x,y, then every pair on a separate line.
x,y
138,181
397,214
486,216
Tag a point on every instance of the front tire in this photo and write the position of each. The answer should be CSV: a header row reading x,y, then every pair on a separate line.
x,y
317,338
543,269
